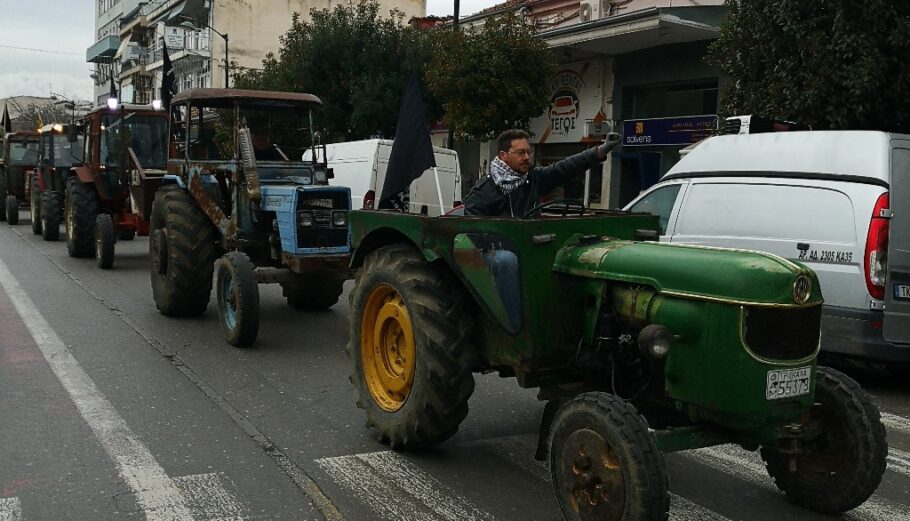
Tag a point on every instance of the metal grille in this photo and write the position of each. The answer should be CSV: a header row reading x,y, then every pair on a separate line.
x,y
323,234
782,333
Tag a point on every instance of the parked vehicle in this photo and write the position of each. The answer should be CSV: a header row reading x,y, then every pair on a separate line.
x,y
17,158
638,347
362,165
60,146
838,201
234,192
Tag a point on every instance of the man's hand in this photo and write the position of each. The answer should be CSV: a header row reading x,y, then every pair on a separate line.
x,y
608,145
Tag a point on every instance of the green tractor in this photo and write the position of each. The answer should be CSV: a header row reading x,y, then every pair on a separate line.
x,y
18,155
638,348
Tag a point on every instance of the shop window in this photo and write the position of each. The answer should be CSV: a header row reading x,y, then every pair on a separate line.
x,y
664,101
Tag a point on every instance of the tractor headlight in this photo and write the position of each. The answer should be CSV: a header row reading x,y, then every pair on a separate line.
x,y
340,218
655,340
305,219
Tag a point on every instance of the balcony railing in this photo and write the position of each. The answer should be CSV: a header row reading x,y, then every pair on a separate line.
x,y
103,50
195,43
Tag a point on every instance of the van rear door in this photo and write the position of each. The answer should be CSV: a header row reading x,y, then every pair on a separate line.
x,y
896,328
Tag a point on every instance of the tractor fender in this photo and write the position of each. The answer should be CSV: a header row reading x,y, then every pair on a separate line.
x,y
377,239
171,179
84,174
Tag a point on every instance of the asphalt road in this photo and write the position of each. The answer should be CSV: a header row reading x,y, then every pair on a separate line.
x,y
112,411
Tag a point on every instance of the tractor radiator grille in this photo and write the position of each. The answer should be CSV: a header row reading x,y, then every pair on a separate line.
x,y
323,233
782,333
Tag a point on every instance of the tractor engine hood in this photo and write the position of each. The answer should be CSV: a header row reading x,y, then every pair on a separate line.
x,y
695,272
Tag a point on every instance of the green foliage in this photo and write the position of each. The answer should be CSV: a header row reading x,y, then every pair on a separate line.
x,y
829,63
492,78
356,61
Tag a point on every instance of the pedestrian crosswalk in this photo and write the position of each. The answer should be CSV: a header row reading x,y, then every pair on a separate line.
x,y
394,487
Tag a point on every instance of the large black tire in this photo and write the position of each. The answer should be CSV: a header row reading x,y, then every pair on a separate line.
x,y
237,294
126,235
2,194
12,210
605,464
313,293
34,205
80,210
182,252
415,382
50,216
104,241
840,469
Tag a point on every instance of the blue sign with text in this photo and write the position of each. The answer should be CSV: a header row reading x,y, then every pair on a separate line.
x,y
668,131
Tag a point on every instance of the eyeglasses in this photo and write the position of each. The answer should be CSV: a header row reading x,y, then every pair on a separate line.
x,y
521,152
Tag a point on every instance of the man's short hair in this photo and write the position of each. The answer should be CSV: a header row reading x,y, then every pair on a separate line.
x,y
504,141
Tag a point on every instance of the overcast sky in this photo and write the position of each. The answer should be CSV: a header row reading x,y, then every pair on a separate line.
x,y
43,43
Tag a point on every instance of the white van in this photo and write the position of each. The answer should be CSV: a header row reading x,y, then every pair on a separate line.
x,y
361,166
837,201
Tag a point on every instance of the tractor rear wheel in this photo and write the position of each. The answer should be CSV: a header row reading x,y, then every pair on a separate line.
x,y
12,210
2,194
34,205
50,216
80,210
104,241
605,464
238,298
313,292
410,348
840,469
182,252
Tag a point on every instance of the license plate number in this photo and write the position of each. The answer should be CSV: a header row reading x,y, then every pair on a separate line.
x,y
902,291
786,383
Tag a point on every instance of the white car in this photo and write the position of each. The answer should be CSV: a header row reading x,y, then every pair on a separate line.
x,y
837,201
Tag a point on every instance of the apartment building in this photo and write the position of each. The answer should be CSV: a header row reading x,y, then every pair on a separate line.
x,y
201,37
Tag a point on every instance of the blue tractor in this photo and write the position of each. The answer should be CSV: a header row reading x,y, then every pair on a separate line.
x,y
239,203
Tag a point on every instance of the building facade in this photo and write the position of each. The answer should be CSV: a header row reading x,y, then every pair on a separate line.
x,y
202,38
636,66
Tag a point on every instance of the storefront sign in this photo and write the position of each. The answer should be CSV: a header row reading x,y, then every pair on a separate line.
x,y
668,131
575,98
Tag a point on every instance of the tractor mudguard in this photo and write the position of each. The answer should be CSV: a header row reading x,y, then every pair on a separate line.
x,y
489,264
84,174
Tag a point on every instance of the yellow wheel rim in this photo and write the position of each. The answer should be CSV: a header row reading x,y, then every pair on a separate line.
x,y
387,350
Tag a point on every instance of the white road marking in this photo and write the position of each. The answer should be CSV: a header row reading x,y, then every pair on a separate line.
x,y
519,450
208,499
749,466
899,461
155,492
895,422
397,489
10,509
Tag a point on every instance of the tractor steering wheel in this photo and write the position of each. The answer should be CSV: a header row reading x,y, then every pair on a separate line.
x,y
564,207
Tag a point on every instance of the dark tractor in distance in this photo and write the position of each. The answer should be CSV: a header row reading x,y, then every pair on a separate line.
x,y
108,195
17,157
637,347
237,189
59,148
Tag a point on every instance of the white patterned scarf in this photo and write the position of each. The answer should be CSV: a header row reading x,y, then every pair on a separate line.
x,y
505,178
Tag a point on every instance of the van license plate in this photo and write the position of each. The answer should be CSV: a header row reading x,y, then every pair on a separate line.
x,y
785,383
902,291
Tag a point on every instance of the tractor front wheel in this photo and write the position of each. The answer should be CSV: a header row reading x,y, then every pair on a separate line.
x,y
50,216
238,299
12,210
182,252
313,293
2,194
34,205
80,210
410,348
842,467
605,464
104,241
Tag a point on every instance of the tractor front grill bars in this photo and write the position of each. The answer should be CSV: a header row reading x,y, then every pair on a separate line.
x,y
782,333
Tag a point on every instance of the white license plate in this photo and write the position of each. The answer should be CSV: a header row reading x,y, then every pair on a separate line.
x,y
785,383
902,291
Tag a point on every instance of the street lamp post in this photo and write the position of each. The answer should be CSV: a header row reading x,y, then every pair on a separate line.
x,y
57,97
224,36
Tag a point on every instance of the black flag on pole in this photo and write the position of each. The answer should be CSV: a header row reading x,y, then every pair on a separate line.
x,y
168,78
113,92
412,151
7,122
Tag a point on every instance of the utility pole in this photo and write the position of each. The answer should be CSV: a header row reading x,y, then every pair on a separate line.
x,y
451,130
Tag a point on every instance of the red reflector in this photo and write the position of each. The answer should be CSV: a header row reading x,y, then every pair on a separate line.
x,y
369,200
876,324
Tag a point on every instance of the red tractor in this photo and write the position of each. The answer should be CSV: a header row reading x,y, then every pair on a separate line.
x,y
17,158
59,148
108,195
